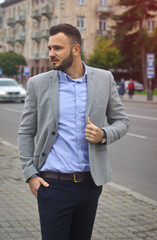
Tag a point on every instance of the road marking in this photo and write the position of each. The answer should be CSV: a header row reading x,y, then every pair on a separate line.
x,y
8,144
135,135
143,117
12,110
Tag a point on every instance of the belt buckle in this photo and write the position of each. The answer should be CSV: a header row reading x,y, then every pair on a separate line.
x,y
75,180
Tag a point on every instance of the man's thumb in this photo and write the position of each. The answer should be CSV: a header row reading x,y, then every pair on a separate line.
x,y
89,121
44,183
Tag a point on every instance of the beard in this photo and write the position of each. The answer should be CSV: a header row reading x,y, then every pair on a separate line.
x,y
66,63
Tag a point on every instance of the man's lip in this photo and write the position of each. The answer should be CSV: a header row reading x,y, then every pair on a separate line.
x,y
54,60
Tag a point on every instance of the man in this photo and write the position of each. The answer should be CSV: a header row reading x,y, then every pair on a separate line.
x,y
65,110
121,87
131,88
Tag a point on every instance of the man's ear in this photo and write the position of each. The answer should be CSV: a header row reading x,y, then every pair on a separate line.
x,y
76,50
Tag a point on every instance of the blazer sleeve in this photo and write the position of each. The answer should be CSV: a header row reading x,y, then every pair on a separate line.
x,y
27,132
118,122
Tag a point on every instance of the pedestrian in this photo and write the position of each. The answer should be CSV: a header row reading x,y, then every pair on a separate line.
x,y
65,111
121,87
131,88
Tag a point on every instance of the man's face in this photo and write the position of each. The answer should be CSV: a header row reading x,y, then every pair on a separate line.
x,y
60,52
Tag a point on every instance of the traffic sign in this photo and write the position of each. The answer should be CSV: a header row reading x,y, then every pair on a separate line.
x,y
150,65
26,71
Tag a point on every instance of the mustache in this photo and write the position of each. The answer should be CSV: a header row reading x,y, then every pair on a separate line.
x,y
54,58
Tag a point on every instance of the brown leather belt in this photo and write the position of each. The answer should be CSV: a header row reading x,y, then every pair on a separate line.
x,y
76,177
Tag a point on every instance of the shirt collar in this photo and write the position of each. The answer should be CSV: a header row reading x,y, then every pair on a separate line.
x,y
65,77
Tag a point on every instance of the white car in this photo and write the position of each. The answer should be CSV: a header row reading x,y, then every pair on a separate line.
x,y
138,86
11,90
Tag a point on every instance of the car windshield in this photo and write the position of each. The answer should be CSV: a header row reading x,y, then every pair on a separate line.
x,y
5,83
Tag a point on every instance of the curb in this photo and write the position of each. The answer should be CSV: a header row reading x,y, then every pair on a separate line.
x,y
133,193
138,101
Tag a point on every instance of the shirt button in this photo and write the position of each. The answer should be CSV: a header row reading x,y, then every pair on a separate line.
x,y
53,133
43,154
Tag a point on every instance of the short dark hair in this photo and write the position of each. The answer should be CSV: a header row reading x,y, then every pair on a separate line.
x,y
70,31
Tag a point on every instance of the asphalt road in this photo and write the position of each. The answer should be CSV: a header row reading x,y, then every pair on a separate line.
x,y
133,158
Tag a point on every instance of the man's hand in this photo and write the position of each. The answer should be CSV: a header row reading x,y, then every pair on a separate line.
x,y
35,182
93,133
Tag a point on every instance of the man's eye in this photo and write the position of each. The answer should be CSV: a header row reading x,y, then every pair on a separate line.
x,y
57,48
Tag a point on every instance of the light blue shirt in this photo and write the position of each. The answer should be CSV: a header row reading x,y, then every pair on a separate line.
x,y
70,151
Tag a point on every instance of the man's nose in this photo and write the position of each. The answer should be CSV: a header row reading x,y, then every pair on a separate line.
x,y
52,53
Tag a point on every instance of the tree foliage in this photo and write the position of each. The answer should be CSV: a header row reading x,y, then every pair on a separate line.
x,y
8,61
131,35
104,55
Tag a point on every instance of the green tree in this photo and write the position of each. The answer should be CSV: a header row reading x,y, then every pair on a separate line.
x,y
8,61
105,55
131,35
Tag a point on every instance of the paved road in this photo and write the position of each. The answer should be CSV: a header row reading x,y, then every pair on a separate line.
x,y
9,121
121,215
133,158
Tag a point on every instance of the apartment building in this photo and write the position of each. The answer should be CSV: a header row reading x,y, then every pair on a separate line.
x,y
25,24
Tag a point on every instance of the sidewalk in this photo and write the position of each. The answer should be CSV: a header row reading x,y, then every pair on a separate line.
x,y
139,98
122,214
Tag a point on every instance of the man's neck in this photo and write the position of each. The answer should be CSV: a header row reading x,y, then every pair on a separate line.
x,y
76,70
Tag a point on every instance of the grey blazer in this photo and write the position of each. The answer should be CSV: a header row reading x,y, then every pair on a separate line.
x,y
40,121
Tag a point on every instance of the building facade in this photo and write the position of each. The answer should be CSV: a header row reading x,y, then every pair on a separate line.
x,y
24,25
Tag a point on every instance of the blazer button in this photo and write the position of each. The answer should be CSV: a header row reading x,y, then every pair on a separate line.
x,y
53,133
43,154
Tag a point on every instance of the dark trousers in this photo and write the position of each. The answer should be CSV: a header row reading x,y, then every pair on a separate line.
x,y
67,210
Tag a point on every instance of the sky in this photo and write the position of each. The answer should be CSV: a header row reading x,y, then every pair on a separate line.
x,y
1,1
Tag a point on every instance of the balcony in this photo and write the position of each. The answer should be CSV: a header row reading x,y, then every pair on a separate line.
x,y
11,22
36,36
35,56
20,19
45,34
105,33
10,40
20,38
47,11
104,9
44,55
36,15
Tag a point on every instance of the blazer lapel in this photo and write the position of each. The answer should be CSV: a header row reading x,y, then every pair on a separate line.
x,y
54,95
90,90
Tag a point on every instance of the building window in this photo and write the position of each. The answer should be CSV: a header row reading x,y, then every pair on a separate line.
x,y
42,69
82,45
80,22
81,2
150,26
103,2
14,12
37,70
32,71
45,24
102,25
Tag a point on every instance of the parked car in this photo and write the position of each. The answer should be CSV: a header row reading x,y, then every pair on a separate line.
x,y
138,86
11,90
